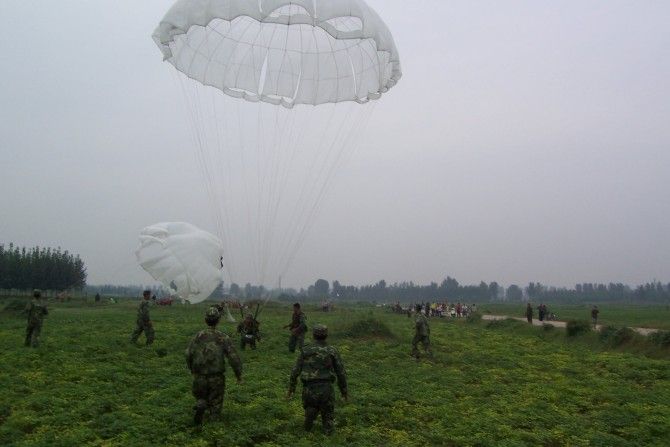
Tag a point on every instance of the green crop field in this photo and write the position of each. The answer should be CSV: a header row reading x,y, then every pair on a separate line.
x,y
489,384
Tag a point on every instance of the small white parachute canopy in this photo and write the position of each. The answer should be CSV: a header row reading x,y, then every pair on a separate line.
x,y
182,257
282,52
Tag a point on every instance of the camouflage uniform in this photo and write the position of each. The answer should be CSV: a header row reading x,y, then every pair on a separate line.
x,y
36,311
205,358
422,335
248,330
318,366
143,323
298,327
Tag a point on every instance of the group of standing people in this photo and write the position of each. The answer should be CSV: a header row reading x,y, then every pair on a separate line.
x,y
438,309
542,312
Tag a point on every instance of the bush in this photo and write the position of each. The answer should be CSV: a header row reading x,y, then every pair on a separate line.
x,y
15,307
623,335
661,338
607,333
475,317
577,327
617,336
368,327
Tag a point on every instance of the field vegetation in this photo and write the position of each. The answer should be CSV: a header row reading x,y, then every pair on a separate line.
x,y
499,383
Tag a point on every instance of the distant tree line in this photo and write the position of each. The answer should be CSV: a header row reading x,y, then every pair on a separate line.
x,y
40,268
450,289
653,292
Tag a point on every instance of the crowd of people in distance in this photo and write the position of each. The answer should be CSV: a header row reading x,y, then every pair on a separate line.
x,y
442,309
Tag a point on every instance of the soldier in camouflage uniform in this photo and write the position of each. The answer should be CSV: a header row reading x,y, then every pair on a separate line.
x,y
422,334
318,366
205,358
248,330
36,311
298,327
143,320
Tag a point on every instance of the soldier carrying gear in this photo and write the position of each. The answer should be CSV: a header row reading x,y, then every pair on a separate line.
x,y
205,359
143,320
249,331
298,327
318,366
422,334
36,311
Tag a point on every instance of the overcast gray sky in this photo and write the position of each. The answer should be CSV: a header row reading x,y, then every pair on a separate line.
x,y
526,141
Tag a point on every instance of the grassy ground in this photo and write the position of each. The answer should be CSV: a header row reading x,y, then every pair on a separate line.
x,y
651,316
501,384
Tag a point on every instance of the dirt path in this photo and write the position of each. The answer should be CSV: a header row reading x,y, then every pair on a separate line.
x,y
562,324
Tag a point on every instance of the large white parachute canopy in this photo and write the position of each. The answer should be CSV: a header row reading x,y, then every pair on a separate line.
x,y
183,258
269,160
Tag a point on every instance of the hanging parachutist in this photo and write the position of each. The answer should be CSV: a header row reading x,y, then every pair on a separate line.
x,y
221,262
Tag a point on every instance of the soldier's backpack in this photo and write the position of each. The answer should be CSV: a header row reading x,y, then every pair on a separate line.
x,y
207,356
318,364
35,314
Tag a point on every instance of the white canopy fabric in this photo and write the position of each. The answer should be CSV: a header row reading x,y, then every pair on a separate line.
x,y
282,52
182,257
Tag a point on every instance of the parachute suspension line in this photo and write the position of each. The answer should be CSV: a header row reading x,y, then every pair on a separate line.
x,y
301,205
286,151
352,141
197,134
275,190
222,165
264,219
247,240
209,170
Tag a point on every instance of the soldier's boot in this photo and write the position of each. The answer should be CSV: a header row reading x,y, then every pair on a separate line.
x,y
200,408
310,416
215,412
35,337
328,423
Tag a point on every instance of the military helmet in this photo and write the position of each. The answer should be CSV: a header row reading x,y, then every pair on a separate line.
x,y
320,330
213,313
37,293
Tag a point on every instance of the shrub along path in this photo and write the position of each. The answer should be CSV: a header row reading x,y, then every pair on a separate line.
x,y
562,324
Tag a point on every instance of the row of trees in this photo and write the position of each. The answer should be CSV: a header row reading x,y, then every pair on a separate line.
x,y
40,268
451,290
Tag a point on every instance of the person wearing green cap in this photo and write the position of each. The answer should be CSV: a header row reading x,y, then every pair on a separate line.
x,y
205,359
144,323
36,311
318,366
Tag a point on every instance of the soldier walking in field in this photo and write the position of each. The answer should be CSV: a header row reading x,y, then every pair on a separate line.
x,y
249,332
143,320
594,316
529,313
318,366
298,327
36,311
205,357
421,335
